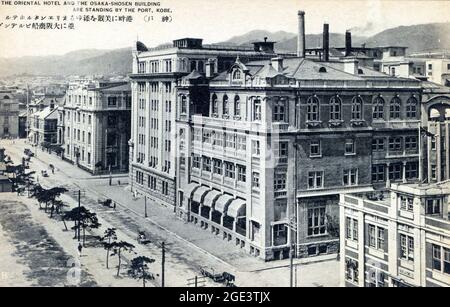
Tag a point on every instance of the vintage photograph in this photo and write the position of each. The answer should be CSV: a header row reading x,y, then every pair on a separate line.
x,y
225,143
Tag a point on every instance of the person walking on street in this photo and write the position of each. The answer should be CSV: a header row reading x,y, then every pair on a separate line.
x,y
114,206
80,248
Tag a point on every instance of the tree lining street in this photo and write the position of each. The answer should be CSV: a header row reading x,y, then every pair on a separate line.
x,y
188,249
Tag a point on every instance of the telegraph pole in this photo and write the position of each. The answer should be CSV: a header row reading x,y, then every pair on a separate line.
x,y
110,175
163,260
79,214
145,205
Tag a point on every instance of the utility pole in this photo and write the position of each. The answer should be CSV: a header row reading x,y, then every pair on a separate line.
x,y
291,266
79,214
28,113
110,175
163,260
145,205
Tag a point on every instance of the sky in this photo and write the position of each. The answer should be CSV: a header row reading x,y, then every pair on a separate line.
x,y
214,21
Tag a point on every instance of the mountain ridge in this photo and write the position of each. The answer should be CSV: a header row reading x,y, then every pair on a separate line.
x,y
110,61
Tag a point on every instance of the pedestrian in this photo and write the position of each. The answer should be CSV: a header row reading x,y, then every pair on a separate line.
x,y
114,206
80,248
118,182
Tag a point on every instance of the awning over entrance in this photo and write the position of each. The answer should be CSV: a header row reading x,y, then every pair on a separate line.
x,y
199,193
237,208
190,188
222,203
210,197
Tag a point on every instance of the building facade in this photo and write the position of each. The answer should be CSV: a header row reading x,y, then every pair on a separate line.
x,y
156,74
400,238
96,126
43,126
265,148
9,114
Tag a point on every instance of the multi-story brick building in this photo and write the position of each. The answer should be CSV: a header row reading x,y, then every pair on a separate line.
x,y
261,144
399,238
96,126
9,114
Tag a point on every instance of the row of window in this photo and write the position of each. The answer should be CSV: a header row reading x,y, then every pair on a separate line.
x,y
394,171
316,178
409,143
153,87
152,182
315,148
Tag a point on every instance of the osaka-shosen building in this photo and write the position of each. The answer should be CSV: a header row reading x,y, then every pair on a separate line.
x,y
257,149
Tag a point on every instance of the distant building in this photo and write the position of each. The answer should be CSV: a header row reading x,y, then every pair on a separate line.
x,y
9,114
96,126
43,126
397,239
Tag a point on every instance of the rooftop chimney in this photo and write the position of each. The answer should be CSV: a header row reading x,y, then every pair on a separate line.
x,y
301,35
277,64
326,42
348,43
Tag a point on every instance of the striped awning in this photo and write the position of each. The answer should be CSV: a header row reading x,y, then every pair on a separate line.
x,y
190,188
210,197
222,202
199,193
237,208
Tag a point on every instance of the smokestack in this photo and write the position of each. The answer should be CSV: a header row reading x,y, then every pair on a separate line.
x,y
348,43
326,42
301,35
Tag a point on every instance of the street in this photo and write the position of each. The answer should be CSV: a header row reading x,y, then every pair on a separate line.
x,y
187,247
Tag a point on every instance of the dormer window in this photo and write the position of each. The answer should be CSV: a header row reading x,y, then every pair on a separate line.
x,y
322,69
236,75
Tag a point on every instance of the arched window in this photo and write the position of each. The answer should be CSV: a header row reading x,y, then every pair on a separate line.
x,y
236,74
357,104
6,97
237,106
183,105
411,108
378,108
394,108
215,104
226,107
335,108
183,65
193,65
313,108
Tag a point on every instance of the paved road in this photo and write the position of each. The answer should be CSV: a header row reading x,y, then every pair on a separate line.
x,y
188,246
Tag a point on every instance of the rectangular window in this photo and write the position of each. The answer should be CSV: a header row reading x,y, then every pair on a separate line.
x,y
406,203
433,206
395,144
378,173
218,139
217,167
411,143
314,149
351,226
229,141
257,109
376,237
230,170
196,161
279,181
315,180
316,221
256,151
395,171
406,247
411,170
206,164
378,144
349,147
437,259
241,142
350,177
241,172
255,180
351,270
